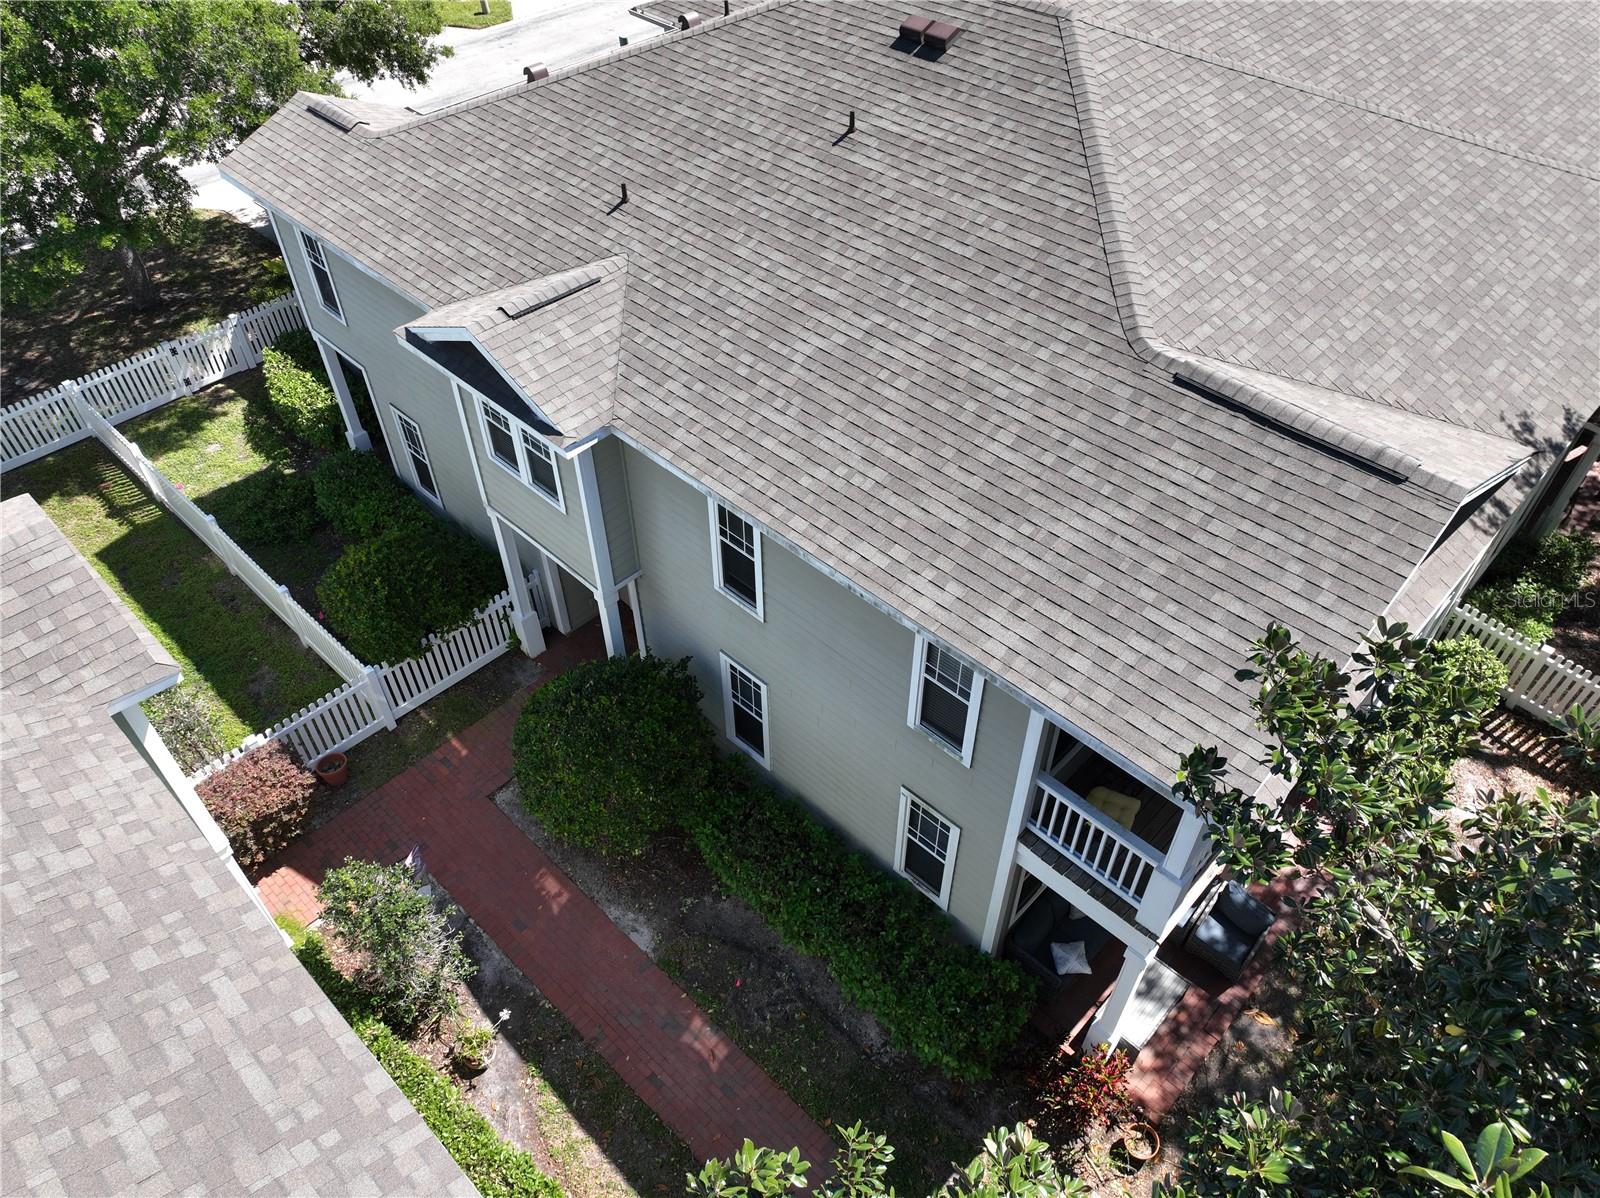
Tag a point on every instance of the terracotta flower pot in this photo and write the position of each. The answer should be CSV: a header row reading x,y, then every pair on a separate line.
x,y
332,768
1141,1142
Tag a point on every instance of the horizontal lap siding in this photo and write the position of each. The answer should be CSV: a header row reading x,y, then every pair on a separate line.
x,y
611,473
838,673
394,374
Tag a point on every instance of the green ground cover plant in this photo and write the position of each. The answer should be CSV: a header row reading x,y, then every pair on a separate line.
x,y
1533,580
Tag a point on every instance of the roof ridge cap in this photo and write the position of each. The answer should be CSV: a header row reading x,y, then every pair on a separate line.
x,y
642,46
1393,114
1105,187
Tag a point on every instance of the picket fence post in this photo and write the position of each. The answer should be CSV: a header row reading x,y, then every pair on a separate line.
x,y
378,694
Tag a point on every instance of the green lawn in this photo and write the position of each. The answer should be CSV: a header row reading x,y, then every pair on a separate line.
x,y
464,14
244,667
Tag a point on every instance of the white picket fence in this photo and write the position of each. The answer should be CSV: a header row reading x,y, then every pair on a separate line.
x,y
382,694
266,588
50,421
1542,683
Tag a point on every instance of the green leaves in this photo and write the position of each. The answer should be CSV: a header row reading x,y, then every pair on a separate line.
x,y
1489,1171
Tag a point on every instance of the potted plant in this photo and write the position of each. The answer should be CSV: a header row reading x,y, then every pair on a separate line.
x,y
1140,1141
474,1047
332,769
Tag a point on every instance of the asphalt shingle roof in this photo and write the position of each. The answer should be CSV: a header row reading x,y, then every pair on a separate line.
x,y
159,1036
907,349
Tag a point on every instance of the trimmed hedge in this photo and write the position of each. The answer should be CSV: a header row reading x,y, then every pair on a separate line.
x,y
361,497
298,392
613,752
385,595
498,1169
262,802
271,507
1533,580
890,951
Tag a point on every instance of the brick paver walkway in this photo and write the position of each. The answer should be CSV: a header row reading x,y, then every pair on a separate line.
x,y
657,1040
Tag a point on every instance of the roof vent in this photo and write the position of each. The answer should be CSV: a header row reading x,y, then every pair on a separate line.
x,y
534,72
688,20
929,35
333,114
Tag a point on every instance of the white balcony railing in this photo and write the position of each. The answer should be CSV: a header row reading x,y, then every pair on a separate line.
x,y
1101,846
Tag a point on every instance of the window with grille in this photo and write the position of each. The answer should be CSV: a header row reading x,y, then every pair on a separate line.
x,y
745,709
926,851
417,452
317,264
736,551
497,429
945,697
541,474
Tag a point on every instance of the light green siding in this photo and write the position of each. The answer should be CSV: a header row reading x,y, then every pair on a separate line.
x,y
397,377
610,471
838,674
559,533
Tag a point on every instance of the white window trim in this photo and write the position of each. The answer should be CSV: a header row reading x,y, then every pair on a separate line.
x,y
763,759
969,740
519,431
307,240
903,830
401,422
759,611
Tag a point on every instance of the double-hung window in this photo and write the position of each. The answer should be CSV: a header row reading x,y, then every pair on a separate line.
x,y
417,451
925,850
317,264
744,709
945,696
736,559
520,452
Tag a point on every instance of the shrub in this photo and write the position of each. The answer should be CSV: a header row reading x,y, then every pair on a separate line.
x,y
889,950
1075,1093
410,962
262,802
188,726
612,752
385,595
1533,580
1473,678
298,391
361,497
270,507
498,1169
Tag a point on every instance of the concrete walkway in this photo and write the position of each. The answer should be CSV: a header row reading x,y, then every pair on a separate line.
x,y
658,1041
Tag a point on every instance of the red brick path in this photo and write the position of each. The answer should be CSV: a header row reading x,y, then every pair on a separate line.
x,y
657,1040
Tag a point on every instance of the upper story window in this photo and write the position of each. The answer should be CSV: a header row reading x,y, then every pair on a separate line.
x,y
945,696
520,452
417,452
736,559
745,710
317,264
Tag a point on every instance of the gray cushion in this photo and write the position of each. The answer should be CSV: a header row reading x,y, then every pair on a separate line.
x,y
1222,941
1235,904
1069,958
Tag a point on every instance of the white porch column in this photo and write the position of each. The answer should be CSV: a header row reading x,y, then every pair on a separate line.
x,y
524,620
1558,502
1006,867
353,431
550,573
605,590
1107,1025
1184,838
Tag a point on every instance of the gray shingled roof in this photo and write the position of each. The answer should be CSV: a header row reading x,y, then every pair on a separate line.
x,y
159,1037
904,349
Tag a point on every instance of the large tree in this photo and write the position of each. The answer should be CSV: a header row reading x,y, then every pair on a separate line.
x,y
103,102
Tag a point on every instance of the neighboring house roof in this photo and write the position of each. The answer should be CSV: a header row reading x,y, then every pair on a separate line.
x,y
160,1036
938,353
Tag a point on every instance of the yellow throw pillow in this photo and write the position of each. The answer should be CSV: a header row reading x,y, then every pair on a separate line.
x,y
1114,804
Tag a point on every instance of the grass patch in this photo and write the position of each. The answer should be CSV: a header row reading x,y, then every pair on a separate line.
x,y
238,659
464,14
223,267
828,1076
